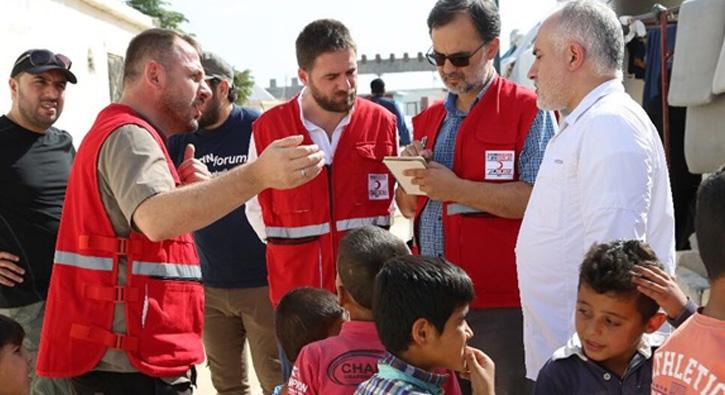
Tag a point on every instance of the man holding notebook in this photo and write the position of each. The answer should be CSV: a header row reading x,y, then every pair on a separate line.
x,y
483,144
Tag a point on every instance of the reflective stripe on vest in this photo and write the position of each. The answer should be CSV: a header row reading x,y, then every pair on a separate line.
x,y
457,208
167,270
354,223
83,261
296,232
163,270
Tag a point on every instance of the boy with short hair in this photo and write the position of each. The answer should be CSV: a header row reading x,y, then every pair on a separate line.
x,y
14,359
691,361
419,305
615,322
336,365
305,315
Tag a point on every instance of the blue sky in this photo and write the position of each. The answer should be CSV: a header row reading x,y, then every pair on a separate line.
x,y
259,34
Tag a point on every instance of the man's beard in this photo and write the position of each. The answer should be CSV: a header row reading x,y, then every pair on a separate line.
x,y
210,115
341,101
551,99
33,114
463,87
181,112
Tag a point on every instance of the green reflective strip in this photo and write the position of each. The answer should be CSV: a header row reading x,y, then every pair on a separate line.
x,y
457,208
167,270
296,232
83,261
354,223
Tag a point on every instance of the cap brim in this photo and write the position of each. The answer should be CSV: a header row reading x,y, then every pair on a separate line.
x,y
69,76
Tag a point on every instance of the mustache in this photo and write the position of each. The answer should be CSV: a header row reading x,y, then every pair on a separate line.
x,y
454,74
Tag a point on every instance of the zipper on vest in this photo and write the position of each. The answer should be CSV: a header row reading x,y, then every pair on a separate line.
x,y
333,227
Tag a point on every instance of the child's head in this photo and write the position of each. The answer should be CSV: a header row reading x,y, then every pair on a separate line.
x,y
611,315
710,224
361,254
419,304
305,315
14,359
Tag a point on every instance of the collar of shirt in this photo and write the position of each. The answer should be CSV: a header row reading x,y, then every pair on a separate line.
x,y
319,135
359,328
393,368
605,88
450,103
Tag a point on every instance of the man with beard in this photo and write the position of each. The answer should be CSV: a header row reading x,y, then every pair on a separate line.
x,y
303,226
236,303
604,176
35,160
125,305
483,144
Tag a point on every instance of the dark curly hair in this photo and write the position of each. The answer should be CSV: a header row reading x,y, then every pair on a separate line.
x,y
607,269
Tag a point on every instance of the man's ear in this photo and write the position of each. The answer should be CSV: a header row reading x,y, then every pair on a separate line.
x,y
492,48
422,332
655,322
575,54
13,84
154,74
303,75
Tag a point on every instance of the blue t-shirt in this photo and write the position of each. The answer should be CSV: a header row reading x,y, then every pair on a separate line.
x,y
390,105
232,256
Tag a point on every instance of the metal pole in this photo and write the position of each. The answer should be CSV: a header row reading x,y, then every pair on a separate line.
x,y
662,16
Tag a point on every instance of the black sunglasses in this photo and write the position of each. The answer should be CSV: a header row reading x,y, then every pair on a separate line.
x,y
43,57
459,59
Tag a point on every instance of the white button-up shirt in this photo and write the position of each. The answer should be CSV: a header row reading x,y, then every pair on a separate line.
x,y
603,177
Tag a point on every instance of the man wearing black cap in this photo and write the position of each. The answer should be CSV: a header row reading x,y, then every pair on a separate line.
x,y
233,263
35,160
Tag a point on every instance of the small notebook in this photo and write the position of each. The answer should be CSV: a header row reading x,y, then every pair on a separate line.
x,y
397,164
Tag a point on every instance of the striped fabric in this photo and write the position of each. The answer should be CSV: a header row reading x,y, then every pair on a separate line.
x,y
412,380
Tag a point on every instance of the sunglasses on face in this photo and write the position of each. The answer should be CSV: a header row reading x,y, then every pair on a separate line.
x,y
45,58
459,59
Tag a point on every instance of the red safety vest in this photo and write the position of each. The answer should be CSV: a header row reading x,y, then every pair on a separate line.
x,y
480,243
163,296
304,225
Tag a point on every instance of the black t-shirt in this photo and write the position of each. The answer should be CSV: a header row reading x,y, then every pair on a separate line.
x,y
232,256
34,171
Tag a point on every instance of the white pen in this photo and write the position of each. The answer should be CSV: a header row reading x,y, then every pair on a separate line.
x,y
424,141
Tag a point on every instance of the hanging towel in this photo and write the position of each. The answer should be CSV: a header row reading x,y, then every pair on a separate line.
x,y
704,137
701,28
653,60
718,84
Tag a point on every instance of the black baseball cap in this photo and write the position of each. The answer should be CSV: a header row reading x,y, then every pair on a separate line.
x,y
36,61
216,67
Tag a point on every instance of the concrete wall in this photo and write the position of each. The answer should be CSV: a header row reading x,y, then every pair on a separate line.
x,y
84,30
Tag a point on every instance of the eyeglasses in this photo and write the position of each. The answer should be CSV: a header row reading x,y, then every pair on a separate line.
x,y
42,57
459,59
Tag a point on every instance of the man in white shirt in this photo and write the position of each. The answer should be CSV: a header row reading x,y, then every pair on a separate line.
x,y
603,176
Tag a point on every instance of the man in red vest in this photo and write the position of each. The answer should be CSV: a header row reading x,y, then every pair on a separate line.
x,y
483,145
303,226
124,311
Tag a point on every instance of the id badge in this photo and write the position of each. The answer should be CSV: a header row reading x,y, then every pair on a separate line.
x,y
499,165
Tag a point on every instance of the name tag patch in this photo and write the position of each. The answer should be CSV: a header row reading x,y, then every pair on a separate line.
x,y
499,165
378,187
